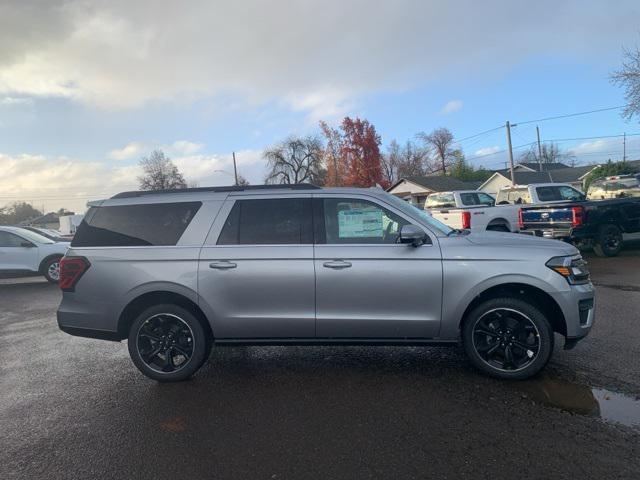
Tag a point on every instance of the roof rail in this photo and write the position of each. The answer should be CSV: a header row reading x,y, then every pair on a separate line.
x,y
231,188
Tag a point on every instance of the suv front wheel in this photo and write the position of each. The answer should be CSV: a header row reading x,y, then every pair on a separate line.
x,y
167,343
507,338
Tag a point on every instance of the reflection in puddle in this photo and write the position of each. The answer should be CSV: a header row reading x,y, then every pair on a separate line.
x,y
583,400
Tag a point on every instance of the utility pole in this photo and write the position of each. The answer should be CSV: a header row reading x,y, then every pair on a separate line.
x,y
513,180
624,147
539,150
235,169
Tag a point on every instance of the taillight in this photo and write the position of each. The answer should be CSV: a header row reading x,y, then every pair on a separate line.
x,y
577,216
520,219
466,220
71,269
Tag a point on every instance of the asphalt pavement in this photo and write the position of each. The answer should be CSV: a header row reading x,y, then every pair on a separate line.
x,y
77,408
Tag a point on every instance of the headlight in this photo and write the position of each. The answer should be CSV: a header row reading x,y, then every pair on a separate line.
x,y
573,268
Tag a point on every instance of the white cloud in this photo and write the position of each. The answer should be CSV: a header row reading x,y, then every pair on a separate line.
x,y
316,56
487,151
590,147
65,182
184,147
452,106
130,150
61,182
15,101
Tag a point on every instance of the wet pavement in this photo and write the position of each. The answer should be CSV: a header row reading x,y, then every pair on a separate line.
x,y
77,408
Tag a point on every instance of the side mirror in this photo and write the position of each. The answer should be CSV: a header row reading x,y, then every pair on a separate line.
x,y
27,245
412,235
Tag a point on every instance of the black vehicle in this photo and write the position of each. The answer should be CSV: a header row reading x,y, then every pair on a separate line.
x,y
599,223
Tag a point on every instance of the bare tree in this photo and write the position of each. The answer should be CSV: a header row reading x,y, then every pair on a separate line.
x,y
414,160
551,153
242,182
390,161
333,157
296,160
441,142
160,173
628,77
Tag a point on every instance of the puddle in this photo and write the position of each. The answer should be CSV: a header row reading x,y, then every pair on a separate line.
x,y
610,406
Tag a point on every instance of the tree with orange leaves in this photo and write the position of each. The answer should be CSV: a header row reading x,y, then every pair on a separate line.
x,y
352,154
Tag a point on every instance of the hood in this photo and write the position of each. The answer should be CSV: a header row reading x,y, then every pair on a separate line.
x,y
518,240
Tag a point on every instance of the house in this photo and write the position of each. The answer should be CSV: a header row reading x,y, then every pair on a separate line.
x,y
525,174
415,189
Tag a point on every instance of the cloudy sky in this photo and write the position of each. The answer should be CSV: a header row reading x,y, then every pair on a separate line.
x,y
87,88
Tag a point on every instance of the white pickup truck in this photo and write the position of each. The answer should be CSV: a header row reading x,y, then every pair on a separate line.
x,y
478,211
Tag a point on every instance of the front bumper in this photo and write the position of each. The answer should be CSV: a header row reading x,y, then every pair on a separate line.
x,y
578,307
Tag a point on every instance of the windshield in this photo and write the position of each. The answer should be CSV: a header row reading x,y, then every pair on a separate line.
x,y
33,236
414,211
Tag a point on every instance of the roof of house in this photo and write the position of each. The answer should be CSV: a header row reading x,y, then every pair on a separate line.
x,y
545,166
575,174
437,183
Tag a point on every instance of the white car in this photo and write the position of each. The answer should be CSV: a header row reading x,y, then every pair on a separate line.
x,y
23,251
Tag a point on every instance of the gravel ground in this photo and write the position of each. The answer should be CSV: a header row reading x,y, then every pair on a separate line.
x,y
77,408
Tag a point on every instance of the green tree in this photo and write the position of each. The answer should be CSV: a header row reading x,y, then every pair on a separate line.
x,y
609,169
18,212
463,170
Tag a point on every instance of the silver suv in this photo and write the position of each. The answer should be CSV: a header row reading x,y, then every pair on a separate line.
x,y
177,272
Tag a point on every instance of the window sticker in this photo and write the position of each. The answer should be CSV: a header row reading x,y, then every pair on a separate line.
x,y
360,223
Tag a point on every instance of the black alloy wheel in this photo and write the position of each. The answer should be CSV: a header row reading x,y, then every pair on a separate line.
x,y
506,339
168,343
165,343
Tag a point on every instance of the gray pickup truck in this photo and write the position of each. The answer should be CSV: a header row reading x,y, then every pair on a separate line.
x,y
180,271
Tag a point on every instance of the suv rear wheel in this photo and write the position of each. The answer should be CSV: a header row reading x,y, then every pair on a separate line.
x,y
507,338
167,343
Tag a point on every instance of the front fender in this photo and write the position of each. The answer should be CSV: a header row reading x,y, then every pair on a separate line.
x,y
454,304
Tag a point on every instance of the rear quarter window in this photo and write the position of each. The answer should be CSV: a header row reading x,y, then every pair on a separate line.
x,y
159,224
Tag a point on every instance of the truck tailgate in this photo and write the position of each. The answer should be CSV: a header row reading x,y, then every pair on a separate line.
x,y
451,217
546,217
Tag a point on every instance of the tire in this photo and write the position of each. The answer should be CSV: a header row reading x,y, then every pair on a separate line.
x,y
510,324
51,270
180,343
608,241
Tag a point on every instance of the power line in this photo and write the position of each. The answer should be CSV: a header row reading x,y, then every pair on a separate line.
x,y
479,134
569,115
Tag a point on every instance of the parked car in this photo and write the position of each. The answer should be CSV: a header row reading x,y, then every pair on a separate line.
x,y
537,193
472,210
177,272
618,186
599,224
50,234
24,251
478,211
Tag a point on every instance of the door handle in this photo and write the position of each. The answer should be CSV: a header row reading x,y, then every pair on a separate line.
x,y
223,265
337,264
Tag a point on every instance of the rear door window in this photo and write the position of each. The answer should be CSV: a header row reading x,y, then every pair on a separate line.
x,y
278,221
135,225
